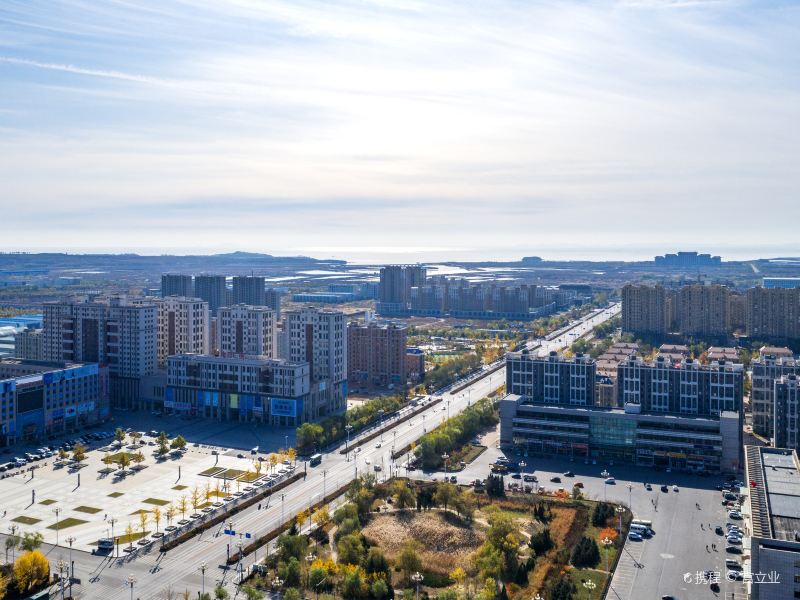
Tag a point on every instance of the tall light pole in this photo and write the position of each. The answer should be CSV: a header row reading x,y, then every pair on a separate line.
x,y
381,413
203,566
445,456
71,568
348,428
13,531
620,512
324,482
57,511
589,585
630,491
130,580
283,496
607,544
60,564
605,474
417,579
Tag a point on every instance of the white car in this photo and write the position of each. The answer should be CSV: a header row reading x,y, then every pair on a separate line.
x,y
610,480
368,461
378,445
674,488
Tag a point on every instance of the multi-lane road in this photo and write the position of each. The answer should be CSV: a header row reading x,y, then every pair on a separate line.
x,y
180,568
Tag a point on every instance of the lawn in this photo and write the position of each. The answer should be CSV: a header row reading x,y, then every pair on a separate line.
x,y
48,502
65,523
116,494
115,457
230,474
140,511
126,539
211,471
250,476
579,576
180,487
88,509
156,501
25,520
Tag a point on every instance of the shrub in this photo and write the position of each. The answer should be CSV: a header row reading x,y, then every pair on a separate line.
x,y
586,553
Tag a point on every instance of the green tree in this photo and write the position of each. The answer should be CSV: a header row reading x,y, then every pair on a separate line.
x,y
354,585
445,494
291,594
408,560
376,563
252,593
220,593
178,443
292,546
119,435
488,561
403,496
79,452
350,549
379,590
31,541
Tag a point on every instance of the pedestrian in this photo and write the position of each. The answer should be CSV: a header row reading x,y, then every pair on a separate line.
x,y
703,528
105,516
707,548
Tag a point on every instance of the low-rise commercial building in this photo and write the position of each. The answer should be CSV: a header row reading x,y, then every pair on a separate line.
x,y
265,390
40,398
772,523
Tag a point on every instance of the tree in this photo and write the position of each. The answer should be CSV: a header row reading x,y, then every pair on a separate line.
x,y
541,542
292,454
445,494
129,534
163,448
31,541
138,457
291,594
252,593
62,454
31,570
107,461
354,585
79,452
586,553
195,498
408,560
182,505
301,518
208,493
350,549
257,466
273,461
144,517
321,516
124,461
309,436
157,516
376,563
204,596
135,437
178,443
12,541
564,589
220,593
119,435
488,560
3,585
379,590
403,496
292,546
459,576
169,513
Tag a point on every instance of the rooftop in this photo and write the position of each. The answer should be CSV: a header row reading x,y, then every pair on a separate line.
x,y
774,477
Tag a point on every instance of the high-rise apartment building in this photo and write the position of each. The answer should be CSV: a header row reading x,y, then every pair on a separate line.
x,y
771,364
552,379
319,338
781,282
173,284
787,412
246,331
644,309
773,314
112,331
394,290
183,327
210,288
28,344
703,310
272,299
249,290
376,354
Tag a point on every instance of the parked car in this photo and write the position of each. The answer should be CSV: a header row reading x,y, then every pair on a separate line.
x,y
733,549
555,479
569,474
648,487
634,537
664,488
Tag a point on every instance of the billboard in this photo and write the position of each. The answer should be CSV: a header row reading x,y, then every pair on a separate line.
x,y
283,407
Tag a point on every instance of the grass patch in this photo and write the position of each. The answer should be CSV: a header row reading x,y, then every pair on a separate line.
x,y
471,454
180,487
140,511
581,575
211,471
25,520
114,458
156,501
116,494
65,523
48,502
88,509
127,539
250,476
230,474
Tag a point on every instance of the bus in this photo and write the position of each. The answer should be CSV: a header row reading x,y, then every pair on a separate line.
x,y
315,460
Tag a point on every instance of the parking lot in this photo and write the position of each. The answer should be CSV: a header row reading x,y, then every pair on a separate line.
x,y
61,501
668,562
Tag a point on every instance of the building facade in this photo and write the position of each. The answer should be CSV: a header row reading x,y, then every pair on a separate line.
x,y
773,314
249,290
109,331
681,416
644,309
38,399
239,389
28,344
376,355
771,364
246,331
212,289
319,338
787,412
703,310
183,327
394,289
173,284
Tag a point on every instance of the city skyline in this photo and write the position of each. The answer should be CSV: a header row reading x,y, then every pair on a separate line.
x,y
389,132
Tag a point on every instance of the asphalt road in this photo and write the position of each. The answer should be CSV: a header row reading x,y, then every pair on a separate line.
x,y
180,568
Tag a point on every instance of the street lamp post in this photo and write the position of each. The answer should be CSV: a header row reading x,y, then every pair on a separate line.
x,y
324,482
130,580
348,428
13,531
445,457
283,496
60,564
538,596
605,475
57,511
417,579
203,566
589,585
607,544
309,559
381,413
630,491
620,512
71,567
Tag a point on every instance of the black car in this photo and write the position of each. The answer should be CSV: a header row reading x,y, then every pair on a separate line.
x,y
569,474
555,479
715,587
516,476
733,549
718,530
664,489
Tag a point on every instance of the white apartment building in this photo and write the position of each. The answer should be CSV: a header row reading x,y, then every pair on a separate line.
x,y
28,344
771,365
183,327
319,338
246,331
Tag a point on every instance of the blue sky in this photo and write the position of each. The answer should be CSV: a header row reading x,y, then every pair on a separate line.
x,y
397,130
